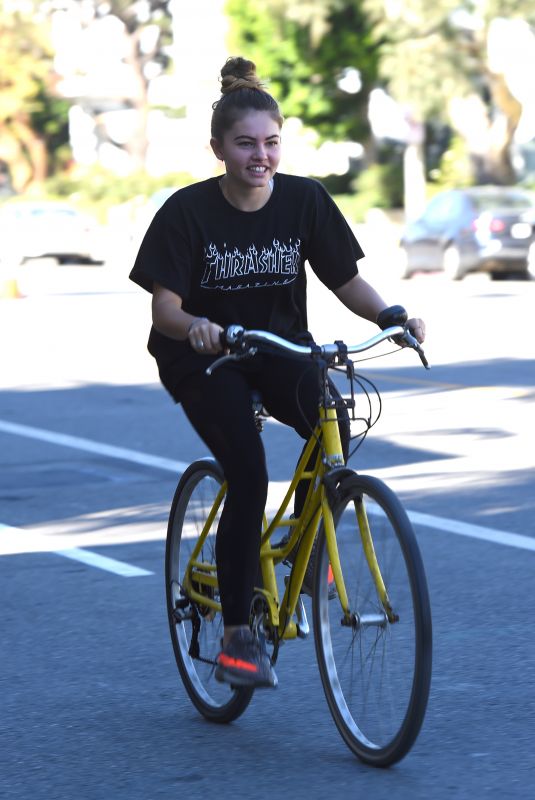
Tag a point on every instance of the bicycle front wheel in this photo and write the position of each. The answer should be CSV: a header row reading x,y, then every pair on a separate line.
x,y
196,629
375,663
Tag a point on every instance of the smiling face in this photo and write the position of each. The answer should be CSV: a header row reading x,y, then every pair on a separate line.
x,y
250,150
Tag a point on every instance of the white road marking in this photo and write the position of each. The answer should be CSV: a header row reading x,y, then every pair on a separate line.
x,y
473,531
90,446
103,562
277,491
20,540
467,529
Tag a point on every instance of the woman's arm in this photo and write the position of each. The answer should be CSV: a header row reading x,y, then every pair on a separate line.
x,y
363,300
169,318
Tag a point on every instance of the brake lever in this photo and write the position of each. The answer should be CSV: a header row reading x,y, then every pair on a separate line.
x,y
423,359
410,340
230,357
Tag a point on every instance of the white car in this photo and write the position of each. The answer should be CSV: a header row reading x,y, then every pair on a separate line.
x,y
51,230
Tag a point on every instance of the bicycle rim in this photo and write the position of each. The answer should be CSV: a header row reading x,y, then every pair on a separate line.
x,y
375,672
194,497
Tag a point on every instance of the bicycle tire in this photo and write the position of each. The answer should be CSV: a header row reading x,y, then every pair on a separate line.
x,y
376,674
193,499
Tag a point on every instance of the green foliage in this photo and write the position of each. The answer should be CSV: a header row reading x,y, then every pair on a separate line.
x,y
352,206
455,168
50,117
419,64
377,186
25,62
336,184
96,189
30,113
380,185
303,48
435,52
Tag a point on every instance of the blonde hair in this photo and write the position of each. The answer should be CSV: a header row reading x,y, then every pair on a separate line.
x,y
241,91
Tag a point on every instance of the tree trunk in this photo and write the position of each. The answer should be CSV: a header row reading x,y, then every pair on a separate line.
x,y
137,146
414,181
494,165
25,153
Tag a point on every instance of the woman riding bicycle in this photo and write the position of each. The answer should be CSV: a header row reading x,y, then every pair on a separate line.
x,y
233,250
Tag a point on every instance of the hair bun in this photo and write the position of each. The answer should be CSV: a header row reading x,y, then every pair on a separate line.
x,y
239,73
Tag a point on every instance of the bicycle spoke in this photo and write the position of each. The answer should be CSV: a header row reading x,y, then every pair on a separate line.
x,y
375,672
198,626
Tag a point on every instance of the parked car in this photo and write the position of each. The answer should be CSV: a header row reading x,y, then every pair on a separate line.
x,y
49,229
479,229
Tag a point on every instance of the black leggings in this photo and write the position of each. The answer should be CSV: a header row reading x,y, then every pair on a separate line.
x,y
220,410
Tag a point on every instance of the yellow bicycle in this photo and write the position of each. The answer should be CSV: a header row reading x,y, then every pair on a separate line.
x,y
370,604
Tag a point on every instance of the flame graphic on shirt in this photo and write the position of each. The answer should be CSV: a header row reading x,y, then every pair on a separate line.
x,y
230,269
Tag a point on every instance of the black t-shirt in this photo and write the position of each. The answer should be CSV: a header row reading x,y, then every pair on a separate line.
x,y
242,267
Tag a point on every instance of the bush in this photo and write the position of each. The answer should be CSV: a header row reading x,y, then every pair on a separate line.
x,y
455,168
377,186
337,184
97,190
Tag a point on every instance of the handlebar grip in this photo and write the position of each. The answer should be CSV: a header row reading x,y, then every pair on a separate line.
x,y
391,316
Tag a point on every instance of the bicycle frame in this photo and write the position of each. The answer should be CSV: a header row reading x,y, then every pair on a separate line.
x,y
350,541
316,508
304,529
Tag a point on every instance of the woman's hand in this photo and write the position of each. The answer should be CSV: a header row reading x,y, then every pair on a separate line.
x,y
417,327
169,318
205,336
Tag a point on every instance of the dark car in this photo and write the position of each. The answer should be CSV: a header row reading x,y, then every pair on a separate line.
x,y
479,229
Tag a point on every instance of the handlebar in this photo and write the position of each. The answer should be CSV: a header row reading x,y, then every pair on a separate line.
x,y
243,343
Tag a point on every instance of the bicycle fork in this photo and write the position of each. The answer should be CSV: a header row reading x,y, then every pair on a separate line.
x,y
352,617
333,447
371,558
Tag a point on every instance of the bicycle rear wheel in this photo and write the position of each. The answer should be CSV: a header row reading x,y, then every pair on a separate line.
x,y
196,630
375,671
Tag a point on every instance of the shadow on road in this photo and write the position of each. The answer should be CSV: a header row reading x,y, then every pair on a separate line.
x,y
42,482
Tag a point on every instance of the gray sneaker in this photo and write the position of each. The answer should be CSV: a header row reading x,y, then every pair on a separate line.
x,y
243,662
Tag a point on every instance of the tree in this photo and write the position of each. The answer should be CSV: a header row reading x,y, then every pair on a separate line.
x,y
25,64
438,63
148,28
306,48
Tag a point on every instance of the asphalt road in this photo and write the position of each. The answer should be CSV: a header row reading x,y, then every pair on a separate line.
x,y
91,448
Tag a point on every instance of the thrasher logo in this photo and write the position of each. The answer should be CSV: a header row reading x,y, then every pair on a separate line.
x,y
232,270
